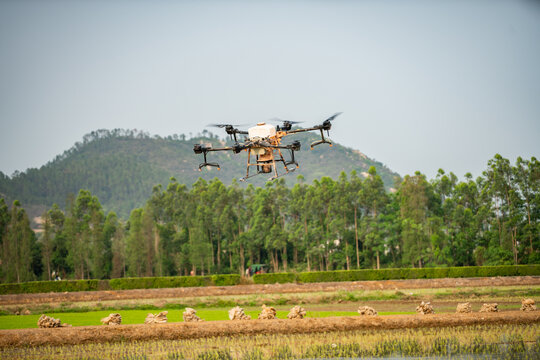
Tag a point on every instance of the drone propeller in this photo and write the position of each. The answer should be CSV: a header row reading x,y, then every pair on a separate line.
x,y
286,124
333,116
224,125
230,129
285,121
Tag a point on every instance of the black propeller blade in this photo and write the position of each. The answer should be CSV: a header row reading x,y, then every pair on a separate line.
x,y
285,121
224,125
333,116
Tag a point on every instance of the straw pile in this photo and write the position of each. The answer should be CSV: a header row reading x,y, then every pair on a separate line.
x,y
267,313
425,308
49,322
237,313
156,319
112,319
528,305
464,308
490,308
190,315
297,312
366,310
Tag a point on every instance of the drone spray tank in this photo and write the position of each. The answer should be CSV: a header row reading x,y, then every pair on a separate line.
x,y
258,133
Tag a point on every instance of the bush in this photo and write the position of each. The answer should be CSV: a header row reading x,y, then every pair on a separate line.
x,y
273,278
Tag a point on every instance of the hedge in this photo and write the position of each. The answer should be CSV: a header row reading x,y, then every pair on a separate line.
x,y
54,286
119,284
406,273
273,278
226,280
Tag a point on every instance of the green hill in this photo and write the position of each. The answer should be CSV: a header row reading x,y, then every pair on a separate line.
x,y
122,166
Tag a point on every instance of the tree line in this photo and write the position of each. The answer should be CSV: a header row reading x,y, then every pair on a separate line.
x,y
345,223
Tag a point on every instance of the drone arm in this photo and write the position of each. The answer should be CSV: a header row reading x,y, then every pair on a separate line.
x,y
219,149
295,131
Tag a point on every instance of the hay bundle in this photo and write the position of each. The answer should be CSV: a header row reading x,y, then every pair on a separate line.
x,y
49,322
237,313
464,308
425,308
297,312
528,305
366,310
112,319
156,319
267,313
490,308
190,315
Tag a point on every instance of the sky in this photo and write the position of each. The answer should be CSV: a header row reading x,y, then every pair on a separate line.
x,y
422,84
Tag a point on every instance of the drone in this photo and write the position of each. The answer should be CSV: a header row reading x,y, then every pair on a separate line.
x,y
263,146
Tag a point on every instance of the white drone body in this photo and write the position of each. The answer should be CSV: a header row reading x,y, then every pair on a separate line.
x,y
261,131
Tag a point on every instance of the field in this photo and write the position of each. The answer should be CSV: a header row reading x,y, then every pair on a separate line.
x,y
331,329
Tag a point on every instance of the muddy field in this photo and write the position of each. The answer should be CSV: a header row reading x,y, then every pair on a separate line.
x,y
83,296
177,331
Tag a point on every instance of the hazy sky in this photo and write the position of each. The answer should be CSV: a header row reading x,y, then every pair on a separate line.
x,y
422,84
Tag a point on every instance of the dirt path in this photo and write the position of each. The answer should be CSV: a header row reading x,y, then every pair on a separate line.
x,y
175,331
264,289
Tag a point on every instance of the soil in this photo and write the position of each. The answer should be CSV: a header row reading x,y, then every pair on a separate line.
x,y
191,330
20,299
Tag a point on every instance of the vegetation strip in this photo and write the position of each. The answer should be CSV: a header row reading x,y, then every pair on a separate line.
x,y
175,331
16,299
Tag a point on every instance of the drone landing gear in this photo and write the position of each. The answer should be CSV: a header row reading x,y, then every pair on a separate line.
x,y
322,141
206,163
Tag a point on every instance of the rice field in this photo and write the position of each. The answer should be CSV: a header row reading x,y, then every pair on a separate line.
x,y
137,316
468,342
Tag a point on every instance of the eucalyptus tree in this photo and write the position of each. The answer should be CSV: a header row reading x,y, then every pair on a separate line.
x,y
17,244
355,190
47,243
414,206
374,199
60,244
527,177
199,217
506,201
135,245
84,228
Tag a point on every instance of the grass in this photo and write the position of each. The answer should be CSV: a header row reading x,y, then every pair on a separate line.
x,y
138,316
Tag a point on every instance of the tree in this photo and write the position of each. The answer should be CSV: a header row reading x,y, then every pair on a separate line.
x,y
414,204
17,246
374,199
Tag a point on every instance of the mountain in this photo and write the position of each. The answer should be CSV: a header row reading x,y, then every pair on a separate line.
x,y
121,167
